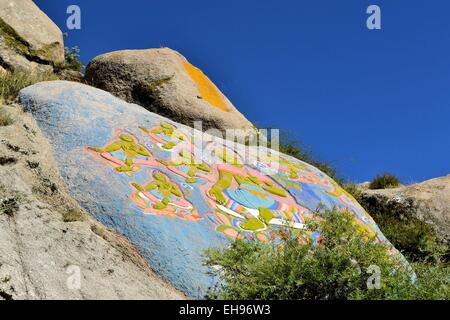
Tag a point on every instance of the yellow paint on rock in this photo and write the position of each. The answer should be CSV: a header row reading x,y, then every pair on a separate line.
x,y
208,90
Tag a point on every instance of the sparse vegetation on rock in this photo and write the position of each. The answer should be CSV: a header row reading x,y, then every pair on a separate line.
x,y
9,201
5,118
22,49
73,216
416,239
293,147
290,145
12,82
72,59
98,230
384,181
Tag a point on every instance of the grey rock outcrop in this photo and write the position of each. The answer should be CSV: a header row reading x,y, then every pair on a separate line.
x,y
29,40
428,201
164,82
46,238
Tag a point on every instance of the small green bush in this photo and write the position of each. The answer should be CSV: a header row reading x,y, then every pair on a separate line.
x,y
72,59
73,216
384,181
12,83
98,230
416,239
339,268
433,282
5,118
9,201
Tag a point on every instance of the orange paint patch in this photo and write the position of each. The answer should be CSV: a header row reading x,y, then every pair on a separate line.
x,y
207,89
262,237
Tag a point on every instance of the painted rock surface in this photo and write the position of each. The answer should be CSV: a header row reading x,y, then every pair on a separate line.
x,y
151,180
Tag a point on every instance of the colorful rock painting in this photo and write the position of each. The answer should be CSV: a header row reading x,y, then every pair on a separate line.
x,y
182,159
256,201
124,153
161,196
149,179
248,203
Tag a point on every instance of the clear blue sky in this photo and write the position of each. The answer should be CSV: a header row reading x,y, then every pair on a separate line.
x,y
368,101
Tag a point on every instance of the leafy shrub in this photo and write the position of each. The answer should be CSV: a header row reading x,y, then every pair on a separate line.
x,y
73,216
72,59
416,239
433,282
9,201
338,268
99,230
384,181
12,83
5,118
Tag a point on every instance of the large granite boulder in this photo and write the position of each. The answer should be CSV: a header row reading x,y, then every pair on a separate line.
x,y
164,82
174,191
428,201
29,40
